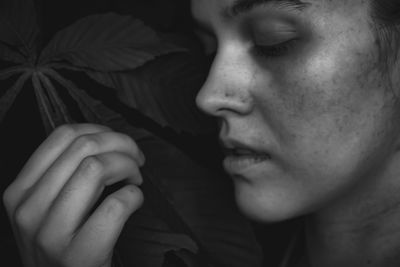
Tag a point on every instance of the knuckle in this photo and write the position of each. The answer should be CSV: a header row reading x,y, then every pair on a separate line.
x,y
126,138
45,243
115,207
22,218
8,197
65,131
134,147
92,165
87,143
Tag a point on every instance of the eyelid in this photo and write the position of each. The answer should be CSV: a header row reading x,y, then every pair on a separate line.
x,y
270,31
272,38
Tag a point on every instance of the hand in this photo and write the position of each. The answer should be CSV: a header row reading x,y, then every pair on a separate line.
x,y
49,203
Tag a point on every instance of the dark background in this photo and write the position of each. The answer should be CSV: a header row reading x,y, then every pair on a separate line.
x,y
22,131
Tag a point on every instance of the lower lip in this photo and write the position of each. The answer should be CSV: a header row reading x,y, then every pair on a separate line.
x,y
240,164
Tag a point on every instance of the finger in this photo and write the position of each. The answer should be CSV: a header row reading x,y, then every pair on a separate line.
x,y
45,191
100,233
81,192
43,157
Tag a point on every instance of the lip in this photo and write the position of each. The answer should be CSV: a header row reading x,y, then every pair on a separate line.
x,y
242,157
244,163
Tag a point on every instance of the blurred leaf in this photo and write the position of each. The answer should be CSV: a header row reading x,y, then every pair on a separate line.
x,y
182,258
8,72
59,108
9,55
196,205
146,238
11,94
18,25
108,42
164,90
49,116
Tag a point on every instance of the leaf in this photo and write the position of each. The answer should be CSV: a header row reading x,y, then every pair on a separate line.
x,y
18,25
195,204
205,202
58,105
108,42
164,90
49,117
182,258
11,94
9,55
9,72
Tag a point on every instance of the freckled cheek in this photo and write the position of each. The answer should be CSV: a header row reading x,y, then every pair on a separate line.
x,y
321,85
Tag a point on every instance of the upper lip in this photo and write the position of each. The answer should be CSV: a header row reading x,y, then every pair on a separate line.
x,y
234,147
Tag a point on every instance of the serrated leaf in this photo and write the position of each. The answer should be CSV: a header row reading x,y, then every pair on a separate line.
x,y
107,42
18,25
195,203
11,94
9,55
164,90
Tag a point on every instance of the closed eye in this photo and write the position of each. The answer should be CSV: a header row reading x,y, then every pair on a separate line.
x,y
275,50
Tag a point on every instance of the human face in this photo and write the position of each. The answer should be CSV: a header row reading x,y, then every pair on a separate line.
x,y
305,111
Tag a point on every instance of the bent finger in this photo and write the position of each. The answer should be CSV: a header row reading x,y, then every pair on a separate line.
x,y
46,190
81,192
42,159
99,234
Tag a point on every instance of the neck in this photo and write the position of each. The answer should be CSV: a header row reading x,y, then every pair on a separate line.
x,y
362,230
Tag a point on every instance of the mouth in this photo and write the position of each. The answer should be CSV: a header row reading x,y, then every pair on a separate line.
x,y
240,158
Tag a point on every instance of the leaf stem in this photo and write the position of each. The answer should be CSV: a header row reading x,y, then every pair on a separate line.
x,y
58,104
7,73
9,97
44,104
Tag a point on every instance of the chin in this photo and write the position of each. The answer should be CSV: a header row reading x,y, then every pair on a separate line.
x,y
267,205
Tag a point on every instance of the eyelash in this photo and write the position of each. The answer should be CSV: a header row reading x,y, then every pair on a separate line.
x,y
270,51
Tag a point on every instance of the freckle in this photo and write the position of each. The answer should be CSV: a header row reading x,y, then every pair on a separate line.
x,y
228,94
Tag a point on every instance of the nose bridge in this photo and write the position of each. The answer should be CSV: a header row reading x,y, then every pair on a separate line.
x,y
228,85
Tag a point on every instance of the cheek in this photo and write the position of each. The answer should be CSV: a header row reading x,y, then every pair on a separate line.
x,y
331,89
332,111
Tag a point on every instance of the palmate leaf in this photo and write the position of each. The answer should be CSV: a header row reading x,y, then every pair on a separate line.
x,y
164,90
107,42
19,26
11,94
10,55
195,204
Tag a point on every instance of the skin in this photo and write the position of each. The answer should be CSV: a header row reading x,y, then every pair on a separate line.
x,y
49,202
324,112
313,129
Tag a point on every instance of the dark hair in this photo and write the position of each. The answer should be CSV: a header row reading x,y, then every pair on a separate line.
x,y
386,18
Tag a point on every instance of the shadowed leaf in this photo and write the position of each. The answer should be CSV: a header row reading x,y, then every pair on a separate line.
x,y
18,25
11,94
164,90
49,117
8,72
9,55
108,42
58,105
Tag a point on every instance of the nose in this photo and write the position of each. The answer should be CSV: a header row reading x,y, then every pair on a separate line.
x,y
227,90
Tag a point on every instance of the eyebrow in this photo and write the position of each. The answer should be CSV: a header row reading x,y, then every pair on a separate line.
x,y
243,6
